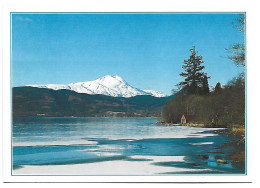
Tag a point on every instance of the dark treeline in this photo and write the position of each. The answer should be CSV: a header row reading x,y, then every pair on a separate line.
x,y
31,101
224,106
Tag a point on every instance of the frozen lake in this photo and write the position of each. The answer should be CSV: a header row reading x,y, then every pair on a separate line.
x,y
117,146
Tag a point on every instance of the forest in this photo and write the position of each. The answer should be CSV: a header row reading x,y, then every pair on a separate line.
x,y
221,106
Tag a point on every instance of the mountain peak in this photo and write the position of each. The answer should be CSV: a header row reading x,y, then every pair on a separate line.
x,y
112,77
118,78
107,85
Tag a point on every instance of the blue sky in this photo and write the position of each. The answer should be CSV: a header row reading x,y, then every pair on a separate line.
x,y
147,50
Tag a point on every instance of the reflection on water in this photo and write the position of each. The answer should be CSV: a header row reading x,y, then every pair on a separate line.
x,y
56,141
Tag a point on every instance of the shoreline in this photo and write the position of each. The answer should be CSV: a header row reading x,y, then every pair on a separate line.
x,y
187,125
236,129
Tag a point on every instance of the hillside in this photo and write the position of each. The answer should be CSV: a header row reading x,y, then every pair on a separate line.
x,y
32,101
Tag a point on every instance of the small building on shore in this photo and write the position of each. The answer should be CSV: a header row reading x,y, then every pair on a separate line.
x,y
188,118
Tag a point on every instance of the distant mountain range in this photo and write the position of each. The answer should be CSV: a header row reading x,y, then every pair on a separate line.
x,y
57,102
114,86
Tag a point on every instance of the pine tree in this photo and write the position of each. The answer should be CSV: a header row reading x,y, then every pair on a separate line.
x,y
193,74
205,86
218,88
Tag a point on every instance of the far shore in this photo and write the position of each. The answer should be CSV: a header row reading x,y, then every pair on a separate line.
x,y
86,117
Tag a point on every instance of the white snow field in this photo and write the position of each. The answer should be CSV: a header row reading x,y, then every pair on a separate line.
x,y
114,86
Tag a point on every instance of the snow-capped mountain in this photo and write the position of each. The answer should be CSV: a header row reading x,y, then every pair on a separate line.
x,y
109,85
155,93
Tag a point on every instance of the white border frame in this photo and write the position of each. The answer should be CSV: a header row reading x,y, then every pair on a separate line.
x,y
117,6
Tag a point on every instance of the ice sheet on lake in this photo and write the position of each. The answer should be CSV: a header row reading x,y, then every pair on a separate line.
x,y
55,143
115,167
147,132
202,143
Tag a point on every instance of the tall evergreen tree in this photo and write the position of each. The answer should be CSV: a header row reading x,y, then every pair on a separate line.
x,y
205,86
218,88
193,74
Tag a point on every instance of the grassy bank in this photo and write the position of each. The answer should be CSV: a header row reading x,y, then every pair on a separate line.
x,y
238,130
